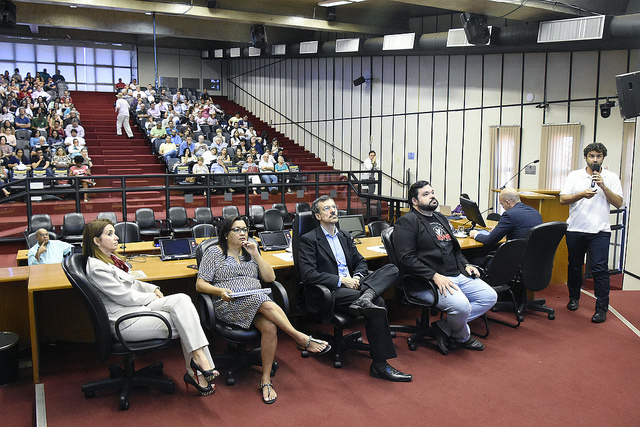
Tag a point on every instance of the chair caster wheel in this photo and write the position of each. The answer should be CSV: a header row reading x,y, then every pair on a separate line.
x,y
337,364
274,368
89,394
304,354
521,318
551,316
124,404
231,381
393,334
412,346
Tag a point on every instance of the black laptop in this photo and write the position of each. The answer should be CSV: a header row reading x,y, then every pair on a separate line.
x,y
352,224
274,240
172,249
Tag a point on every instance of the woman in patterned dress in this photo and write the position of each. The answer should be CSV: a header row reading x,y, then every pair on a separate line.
x,y
236,265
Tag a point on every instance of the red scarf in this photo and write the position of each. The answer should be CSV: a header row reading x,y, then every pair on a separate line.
x,y
120,263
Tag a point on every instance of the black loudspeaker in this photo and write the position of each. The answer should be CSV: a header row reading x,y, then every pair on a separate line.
x,y
7,14
258,36
211,4
331,14
629,94
475,27
359,81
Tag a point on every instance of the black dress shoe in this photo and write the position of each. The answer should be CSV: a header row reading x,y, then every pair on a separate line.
x,y
389,373
441,333
599,316
573,304
364,307
472,344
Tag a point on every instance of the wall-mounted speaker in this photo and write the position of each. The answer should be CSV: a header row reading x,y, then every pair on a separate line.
x,y
628,86
475,28
258,36
7,14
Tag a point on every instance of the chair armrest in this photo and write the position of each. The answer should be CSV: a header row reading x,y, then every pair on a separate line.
x,y
126,344
206,313
318,301
279,295
418,283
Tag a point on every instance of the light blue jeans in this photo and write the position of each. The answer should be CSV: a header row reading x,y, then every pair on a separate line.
x,y
473,300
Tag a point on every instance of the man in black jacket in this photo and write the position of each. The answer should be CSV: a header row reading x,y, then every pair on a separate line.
x,y
329,257
425,247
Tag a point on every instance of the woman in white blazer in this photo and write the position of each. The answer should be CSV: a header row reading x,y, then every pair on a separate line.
x,y
121,293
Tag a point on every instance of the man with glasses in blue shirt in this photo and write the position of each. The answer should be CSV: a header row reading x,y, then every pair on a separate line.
x,y
329,257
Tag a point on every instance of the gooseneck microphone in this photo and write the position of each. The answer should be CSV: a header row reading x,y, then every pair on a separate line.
x,y
525,166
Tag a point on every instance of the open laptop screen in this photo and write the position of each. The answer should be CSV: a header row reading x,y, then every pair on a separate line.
x,y
177,248
352,224
274,240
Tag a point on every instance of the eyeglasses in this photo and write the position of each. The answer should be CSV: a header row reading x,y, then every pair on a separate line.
x,y
329,208
238,230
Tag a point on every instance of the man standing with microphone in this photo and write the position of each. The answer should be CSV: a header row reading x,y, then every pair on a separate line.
x,y
590,191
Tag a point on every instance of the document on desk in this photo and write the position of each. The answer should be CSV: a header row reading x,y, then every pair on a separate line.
x,y
287,256
138,274
380,249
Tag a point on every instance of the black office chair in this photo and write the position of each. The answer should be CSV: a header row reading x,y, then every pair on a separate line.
x,y
302,207
203,215
237,355
537,265
39,221
231,211
31,238
377,227
502,269
203,230
111,216
494,216
72,227
410,285
146,220
121,376
286,219
256,217
316,301
127,232
273,220
178,221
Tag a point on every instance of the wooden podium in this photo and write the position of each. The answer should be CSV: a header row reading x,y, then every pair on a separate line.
x,y
547,202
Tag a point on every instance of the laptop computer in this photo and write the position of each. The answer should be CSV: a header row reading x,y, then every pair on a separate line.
x,y
274,240
172,249
445,210
352,224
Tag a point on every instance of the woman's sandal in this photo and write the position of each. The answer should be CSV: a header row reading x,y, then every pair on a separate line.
x,y
208,375
309,341
269,389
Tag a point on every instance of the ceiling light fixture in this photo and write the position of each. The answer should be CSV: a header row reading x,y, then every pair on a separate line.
x,y
332,3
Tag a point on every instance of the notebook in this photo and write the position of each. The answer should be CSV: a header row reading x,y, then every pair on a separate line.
x,y
274,240
172,249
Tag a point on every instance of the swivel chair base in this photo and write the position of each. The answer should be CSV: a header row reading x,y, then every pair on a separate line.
x,y
236,357
126,378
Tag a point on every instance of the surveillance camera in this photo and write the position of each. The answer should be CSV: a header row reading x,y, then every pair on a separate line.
x,y
605,109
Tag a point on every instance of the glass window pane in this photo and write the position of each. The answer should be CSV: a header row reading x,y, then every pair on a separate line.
x,y
104,88
86,74
26,67
45,53
7,51
122,58
85,55
51,68
65,54
9,66
72,86
103,57
104,75
25,52
81,87
68,72
122,73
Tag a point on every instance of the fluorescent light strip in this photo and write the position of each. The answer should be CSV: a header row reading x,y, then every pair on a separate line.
x,y
347,45
218,53
331,3
398,41
278,49
234,52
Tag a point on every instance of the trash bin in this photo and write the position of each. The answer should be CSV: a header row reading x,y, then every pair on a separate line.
x,y
8,358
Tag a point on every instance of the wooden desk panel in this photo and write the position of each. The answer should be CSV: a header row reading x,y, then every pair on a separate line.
x,y
14,304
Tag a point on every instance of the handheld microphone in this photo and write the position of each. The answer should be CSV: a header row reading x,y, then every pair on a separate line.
x,y
596,168
525,166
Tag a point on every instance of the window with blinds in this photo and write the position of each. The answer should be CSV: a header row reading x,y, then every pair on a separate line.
x,y
505,152
560,153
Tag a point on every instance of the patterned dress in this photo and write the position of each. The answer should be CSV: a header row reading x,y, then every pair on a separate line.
x,y
228,273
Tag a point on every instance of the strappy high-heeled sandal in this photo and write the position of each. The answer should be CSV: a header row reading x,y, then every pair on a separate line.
x,y
208,375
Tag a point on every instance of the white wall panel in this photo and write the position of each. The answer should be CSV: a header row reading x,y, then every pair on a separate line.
x,y
492,80
534,68
441,83
612,63
530,144
453,161
413,84
473,84
438,155
471,155
512,79
483,194
558,76
456,82
426,84
423,171
584,73
388,86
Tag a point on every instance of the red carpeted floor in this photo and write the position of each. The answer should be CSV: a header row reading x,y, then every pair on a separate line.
x,y
562,372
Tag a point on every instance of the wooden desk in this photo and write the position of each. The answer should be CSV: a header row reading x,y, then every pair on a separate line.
x,y
13,302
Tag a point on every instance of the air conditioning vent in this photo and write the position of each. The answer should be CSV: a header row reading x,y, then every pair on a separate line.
x,y
309,47
589,28
458,38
